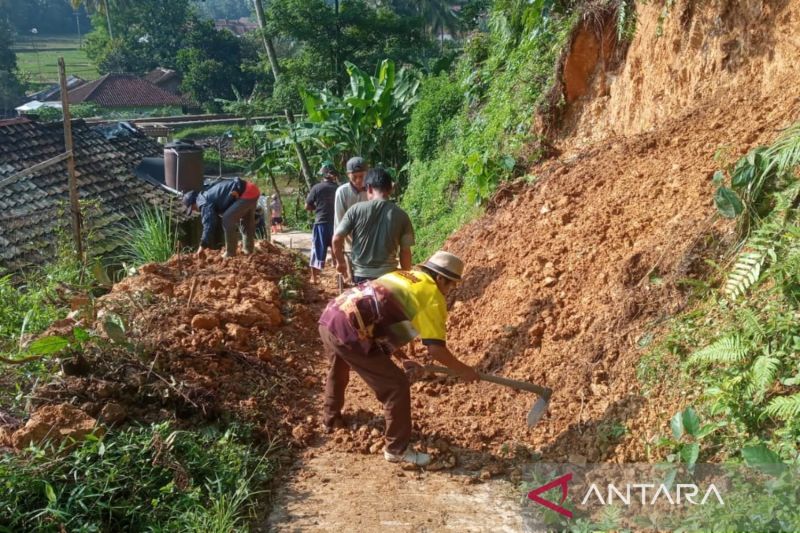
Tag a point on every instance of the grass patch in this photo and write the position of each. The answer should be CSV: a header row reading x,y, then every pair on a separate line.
x,y
39,57
153,478
151,236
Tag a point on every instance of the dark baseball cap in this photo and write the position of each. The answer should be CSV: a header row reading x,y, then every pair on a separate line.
x,y
189,199
356,164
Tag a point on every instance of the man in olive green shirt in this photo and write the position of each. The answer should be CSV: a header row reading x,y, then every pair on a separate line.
x,y
381,232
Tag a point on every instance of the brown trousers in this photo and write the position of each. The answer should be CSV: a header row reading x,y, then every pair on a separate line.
x,y
388,382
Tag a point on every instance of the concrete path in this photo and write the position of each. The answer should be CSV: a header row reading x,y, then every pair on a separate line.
x,y
295,240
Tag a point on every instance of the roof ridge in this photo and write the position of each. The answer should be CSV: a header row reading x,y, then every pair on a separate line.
x,y
100,81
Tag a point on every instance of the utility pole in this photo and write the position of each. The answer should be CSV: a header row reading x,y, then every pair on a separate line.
x,y
276,72
74,206
78,23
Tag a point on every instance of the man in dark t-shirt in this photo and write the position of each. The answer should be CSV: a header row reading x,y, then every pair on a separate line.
x,y
321,200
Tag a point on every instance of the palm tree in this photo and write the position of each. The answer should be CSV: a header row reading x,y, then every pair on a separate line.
x,y
100,6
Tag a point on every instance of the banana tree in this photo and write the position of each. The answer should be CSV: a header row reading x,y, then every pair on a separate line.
x,y
369,119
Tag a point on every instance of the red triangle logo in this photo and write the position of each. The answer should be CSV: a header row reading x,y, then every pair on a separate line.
x,y
558,482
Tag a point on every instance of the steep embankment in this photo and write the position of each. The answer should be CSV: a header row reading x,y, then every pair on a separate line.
x,y
565,276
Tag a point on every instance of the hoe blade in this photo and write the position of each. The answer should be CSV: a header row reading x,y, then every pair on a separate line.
x,y
537,411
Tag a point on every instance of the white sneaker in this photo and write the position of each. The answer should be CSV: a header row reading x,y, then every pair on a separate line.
x,y
409,456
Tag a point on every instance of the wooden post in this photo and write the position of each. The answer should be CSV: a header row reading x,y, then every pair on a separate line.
x,y
74,206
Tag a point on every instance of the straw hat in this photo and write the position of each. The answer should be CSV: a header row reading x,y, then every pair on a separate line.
x,y
446,264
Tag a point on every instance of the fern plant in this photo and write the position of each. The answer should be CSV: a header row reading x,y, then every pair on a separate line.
x,y
756,177
784,407
729,349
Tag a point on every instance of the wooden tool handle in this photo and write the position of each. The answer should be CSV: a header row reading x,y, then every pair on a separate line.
x,y
544,392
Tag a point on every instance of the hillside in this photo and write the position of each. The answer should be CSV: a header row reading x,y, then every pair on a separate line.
x,y
568,275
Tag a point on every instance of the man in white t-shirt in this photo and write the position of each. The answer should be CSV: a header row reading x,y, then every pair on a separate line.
x,y
350,193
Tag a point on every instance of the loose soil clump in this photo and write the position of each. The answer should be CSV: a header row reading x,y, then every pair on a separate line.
x,y
196,339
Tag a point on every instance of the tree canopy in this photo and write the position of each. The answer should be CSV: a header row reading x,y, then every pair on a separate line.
x,y
47,16
10,87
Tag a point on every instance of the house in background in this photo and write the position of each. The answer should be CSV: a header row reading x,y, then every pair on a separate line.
x,y
238,27
33,207
128,94
166,78
52,93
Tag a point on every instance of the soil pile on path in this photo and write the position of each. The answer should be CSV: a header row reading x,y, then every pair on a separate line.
x,y
565,277
198,338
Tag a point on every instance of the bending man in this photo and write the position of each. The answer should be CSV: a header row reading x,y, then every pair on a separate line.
x,y
232,200
365,324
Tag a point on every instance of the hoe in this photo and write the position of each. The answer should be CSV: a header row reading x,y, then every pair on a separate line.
x,y
538,408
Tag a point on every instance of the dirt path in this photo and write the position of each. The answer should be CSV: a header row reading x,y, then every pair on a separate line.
x,y
338,485
339,491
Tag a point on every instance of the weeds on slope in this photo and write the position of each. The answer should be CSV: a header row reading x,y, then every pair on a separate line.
x,y
739,347
471,128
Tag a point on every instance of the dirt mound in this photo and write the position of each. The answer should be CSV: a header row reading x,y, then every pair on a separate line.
x,y
565,277
55,423
198,338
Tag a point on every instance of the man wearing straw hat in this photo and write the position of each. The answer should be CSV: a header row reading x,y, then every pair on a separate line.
x,y
362,327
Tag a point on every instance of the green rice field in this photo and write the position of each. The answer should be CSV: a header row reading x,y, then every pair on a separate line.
x,y
38,56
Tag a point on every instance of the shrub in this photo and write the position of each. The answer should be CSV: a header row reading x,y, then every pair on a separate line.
x,y
151,236
462,155
440,99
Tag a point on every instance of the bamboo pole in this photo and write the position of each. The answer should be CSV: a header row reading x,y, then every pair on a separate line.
x,y
74,206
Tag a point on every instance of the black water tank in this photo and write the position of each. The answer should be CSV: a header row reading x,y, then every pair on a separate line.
x,y
183,166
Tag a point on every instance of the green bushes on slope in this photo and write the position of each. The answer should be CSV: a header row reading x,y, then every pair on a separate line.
x,y
738,347
469,129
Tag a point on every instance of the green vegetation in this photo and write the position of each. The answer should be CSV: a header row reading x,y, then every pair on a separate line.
x,y
30,304
369,119
329,34
151,236
461,153
153,478
207,131
739,345
49,17
11,88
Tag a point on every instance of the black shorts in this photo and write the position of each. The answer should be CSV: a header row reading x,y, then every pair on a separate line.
x,y
277,220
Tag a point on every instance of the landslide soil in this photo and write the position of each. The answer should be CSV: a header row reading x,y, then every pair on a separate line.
x,y
196,339
565,278
570,277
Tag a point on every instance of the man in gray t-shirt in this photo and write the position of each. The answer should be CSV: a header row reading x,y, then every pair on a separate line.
x,y
381,232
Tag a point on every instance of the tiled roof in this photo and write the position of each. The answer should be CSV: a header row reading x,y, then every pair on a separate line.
x,y
123,90
32,208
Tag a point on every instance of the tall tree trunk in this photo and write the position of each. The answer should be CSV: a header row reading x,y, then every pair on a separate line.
x,y
108,19
276,72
